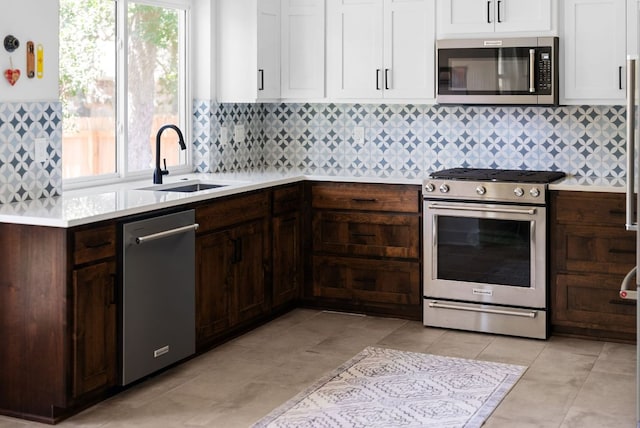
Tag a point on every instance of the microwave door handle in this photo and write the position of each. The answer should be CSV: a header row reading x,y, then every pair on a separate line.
x,y
631,223
532,70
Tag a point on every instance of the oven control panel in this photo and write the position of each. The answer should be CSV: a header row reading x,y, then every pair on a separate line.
x,y
532,193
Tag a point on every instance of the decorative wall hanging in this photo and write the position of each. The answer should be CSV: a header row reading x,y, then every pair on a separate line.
x,y
11,43
31,62
12,74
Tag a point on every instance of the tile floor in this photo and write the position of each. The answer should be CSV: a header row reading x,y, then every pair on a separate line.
x,y
569,382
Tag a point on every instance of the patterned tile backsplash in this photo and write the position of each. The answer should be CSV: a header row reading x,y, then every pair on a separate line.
x,y
21,177
410,140
382,140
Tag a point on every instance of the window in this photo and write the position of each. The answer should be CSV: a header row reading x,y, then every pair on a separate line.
x,y
122,76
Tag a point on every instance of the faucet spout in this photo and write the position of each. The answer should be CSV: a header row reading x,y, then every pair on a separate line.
x,y
158,172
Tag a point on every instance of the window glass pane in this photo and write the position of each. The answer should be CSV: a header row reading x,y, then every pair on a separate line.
x,y
87,87
154,83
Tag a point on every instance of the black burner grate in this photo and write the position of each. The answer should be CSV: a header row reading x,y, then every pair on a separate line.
x,y
505,175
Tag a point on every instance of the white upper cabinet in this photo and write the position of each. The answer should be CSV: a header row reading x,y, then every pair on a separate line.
x,y
380,49
593,50
463,17
268,49
248,53
302,48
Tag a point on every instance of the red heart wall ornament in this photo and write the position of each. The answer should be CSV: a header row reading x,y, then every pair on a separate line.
x,y
12,75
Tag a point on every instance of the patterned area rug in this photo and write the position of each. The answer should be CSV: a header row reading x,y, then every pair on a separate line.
x,y
388,388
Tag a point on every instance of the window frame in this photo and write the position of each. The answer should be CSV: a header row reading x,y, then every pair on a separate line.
x,y
122,174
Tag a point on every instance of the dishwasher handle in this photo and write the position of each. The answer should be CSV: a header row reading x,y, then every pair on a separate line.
x,y
166,233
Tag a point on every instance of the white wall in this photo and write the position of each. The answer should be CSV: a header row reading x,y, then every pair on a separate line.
x,y
35,20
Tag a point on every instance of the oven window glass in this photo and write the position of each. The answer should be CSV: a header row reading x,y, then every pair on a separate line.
x,y
483,71
487,251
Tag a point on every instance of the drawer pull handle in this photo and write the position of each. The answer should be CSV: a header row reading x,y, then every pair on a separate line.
x,y
622,302
525,314
94,245
365,280
363,235
617,251
364,200
166,233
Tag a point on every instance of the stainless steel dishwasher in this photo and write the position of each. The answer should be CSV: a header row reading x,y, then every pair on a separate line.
x,y
158,293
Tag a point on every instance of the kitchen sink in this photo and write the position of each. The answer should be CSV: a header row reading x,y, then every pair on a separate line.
x,y
185,186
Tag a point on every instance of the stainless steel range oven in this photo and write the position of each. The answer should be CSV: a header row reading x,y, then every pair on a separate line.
x,y
485,249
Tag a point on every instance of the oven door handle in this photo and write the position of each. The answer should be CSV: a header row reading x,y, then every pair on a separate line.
x,y
525,314
529,211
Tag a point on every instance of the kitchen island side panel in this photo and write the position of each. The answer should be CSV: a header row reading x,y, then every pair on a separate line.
x,y
33,318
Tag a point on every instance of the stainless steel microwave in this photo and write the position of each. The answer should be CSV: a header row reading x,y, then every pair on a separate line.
x,y
498,71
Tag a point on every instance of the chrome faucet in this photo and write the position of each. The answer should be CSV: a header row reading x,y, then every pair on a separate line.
x,y
159,172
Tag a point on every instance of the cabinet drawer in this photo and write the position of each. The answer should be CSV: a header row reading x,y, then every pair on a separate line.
x,y
366,234
589,207
227,212
366,197
94,244
594,249
365,281
287,198
592,301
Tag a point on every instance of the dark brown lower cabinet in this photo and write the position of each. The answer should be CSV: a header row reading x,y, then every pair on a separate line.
x,y
287,258
365,248
57,319
230,279
94,328
590,254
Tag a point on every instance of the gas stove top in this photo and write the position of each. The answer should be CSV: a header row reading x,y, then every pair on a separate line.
x,y
503,175
490,185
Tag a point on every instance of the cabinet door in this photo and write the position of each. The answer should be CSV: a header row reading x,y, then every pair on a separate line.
x,y
302,47
465,16
487,16
268,49
213,255
94,328
523,15
594,51
249,258
354,43
409,43
286,258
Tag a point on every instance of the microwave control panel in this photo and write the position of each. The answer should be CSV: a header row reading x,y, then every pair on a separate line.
x,y
545,73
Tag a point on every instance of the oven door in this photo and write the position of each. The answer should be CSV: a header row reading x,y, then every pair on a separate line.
x,y
486,253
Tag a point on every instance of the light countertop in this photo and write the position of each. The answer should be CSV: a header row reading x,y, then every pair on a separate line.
x,y
83,206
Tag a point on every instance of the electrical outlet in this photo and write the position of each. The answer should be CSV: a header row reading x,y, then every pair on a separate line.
x,y
224,135
238,134
41,150
358,135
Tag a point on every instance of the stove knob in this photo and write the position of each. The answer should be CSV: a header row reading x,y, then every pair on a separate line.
x,y
444,188
518,192
480,190
429,187
534,192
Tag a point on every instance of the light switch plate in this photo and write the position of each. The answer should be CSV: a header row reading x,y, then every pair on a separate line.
x,y
41,149
238,134
224,135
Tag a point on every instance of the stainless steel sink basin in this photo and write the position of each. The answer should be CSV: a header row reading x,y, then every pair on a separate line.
x,y
185,186
196,187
